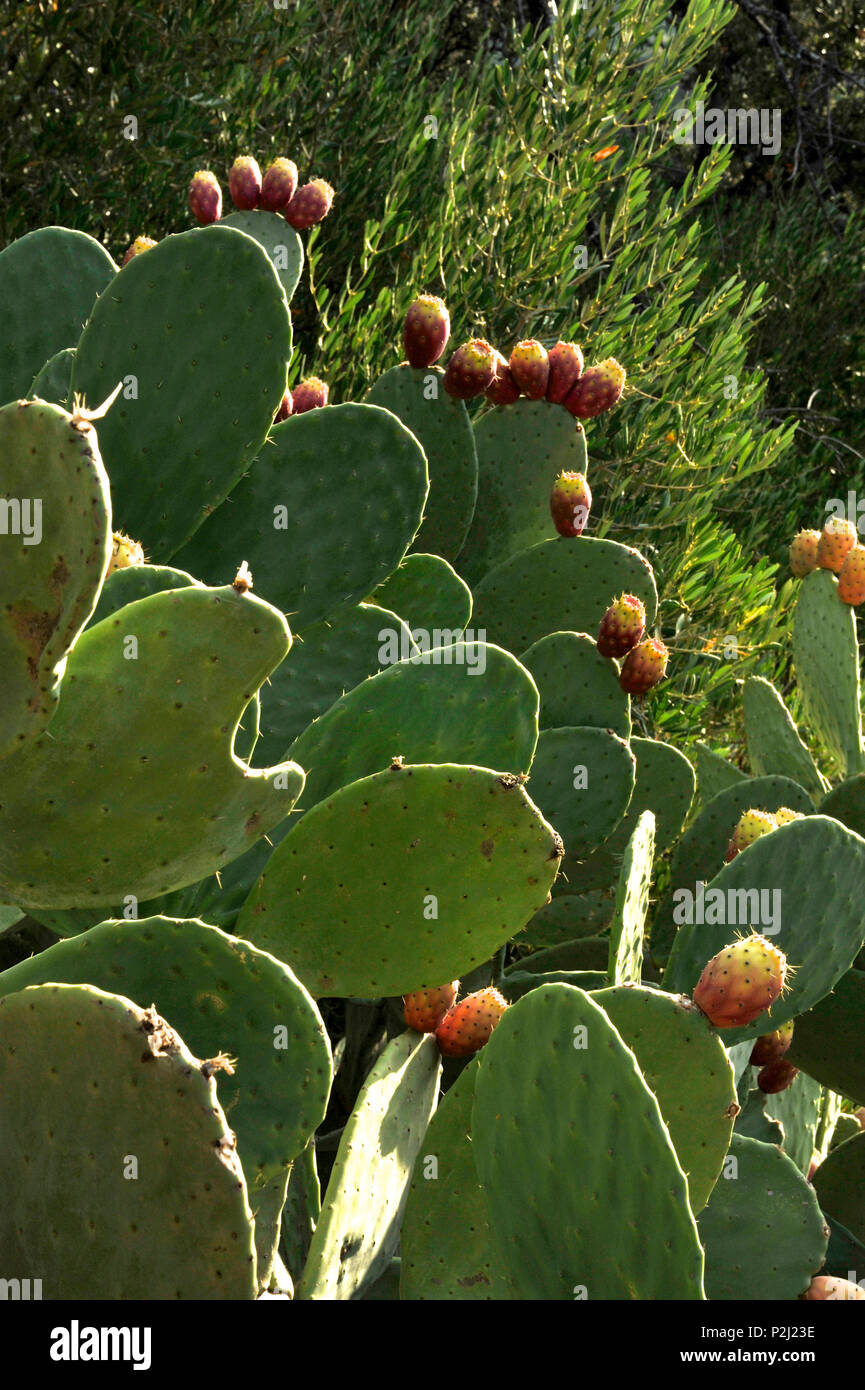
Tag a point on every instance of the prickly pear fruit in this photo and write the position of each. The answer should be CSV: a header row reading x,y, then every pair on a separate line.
x,y
622,626
470,370
309,395
741,982
803,553
596,390
468,1025
566,368
424,1009
426,330
749,827
851,577
644,665
139,245
776,1076
286,408
826,1287
783,815
772,1046
570,503
205,197
124,552
530,368
310,205
837,539
503,390
244,183
278,186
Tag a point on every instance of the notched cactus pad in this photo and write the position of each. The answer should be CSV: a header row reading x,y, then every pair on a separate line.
x,y
135,788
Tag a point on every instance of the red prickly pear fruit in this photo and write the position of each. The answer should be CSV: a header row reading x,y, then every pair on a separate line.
x,y
310,205
827,1288
205,197
851,577
278,186
124,553
803,553
530,368
566,368
776,1076
424,1009
471,370
570,503
503,390
644,665
837,539
622,626
750,826
741,982
596,390
244,183
468,1025
426,330
286,408
311,394
139,245
783,815
772,1046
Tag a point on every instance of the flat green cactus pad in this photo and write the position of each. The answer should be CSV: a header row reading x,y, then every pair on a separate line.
x,y
714,773
569,916
466,703
57,524
126,1180
632,903
428,594
624,1230
559,585
403,880
800,1111
277,237
53,382
827,1041
327,511
846,803
577,685
762,1230
135,788
687,1069
840,1185
198,332
522,448
665,786
815,867
135,582
826,657
49,280
333,657
774,745
703,848
441,425
583,780
227,997
448,1250
362,1207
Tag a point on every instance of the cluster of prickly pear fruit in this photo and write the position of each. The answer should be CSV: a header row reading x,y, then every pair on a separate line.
x,y
302,206
835,548
460,1029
